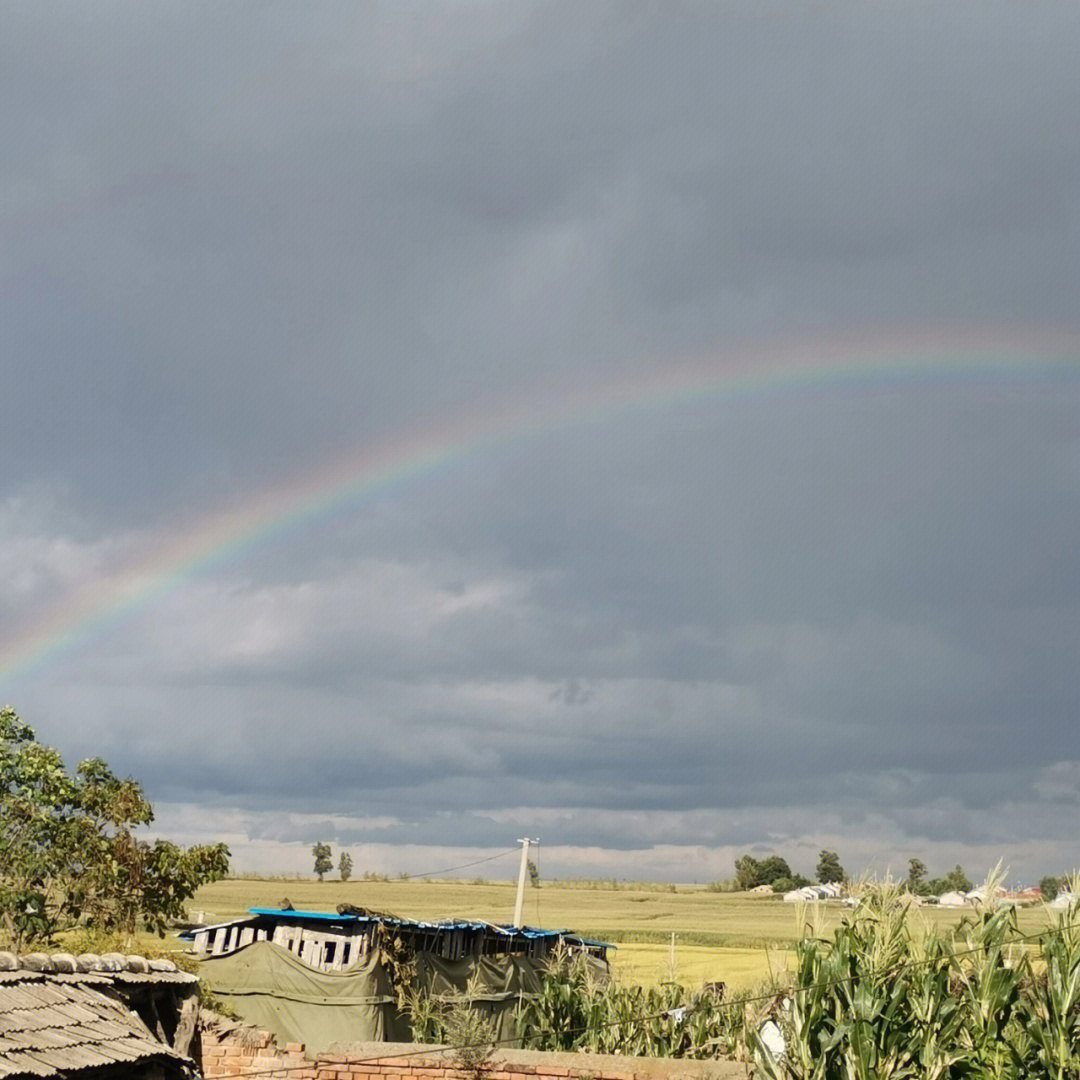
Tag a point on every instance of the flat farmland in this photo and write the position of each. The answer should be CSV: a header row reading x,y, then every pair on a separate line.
x,y
729,936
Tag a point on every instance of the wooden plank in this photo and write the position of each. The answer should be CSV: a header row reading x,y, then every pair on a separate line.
x,y
187,1024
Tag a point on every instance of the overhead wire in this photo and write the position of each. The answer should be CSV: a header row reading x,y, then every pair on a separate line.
x,y
466,865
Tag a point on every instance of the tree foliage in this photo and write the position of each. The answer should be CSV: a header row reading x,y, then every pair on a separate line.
x,y
1051,886
344,866
916,876
787,884
751,872
829,869
324,860
69,854
957,880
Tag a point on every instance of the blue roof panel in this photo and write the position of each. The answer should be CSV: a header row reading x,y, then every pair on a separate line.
x,y
530,932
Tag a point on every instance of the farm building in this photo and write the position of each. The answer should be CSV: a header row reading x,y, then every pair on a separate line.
x,y
90,1017
954,899
834,890
333,941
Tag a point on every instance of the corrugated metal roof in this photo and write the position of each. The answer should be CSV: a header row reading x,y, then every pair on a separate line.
x,y
53,1024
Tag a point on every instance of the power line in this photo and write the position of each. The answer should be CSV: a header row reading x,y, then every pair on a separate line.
x,y
464,866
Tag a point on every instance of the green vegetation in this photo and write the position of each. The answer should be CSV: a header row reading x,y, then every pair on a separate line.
x,y
574,1011
889,996
886,989
324,860
916,878
954,881
829,869
1051,886
70,861
750,872
345,866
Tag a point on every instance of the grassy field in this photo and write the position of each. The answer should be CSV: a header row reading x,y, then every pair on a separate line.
x,y
718,936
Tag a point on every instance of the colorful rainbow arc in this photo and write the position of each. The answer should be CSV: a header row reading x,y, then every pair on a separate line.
x,y
852,363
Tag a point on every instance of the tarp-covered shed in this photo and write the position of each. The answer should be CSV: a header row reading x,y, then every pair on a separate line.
x,y
272,988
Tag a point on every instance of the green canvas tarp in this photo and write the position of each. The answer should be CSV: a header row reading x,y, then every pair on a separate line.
x,y
494,985
268,986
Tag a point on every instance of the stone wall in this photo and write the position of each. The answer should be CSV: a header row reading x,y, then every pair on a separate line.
x,y
235,1052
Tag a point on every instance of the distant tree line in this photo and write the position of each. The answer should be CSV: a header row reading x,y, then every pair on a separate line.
x,y
920,885
774,871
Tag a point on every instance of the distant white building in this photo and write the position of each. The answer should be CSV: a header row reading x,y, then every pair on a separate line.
x,y
953,899
809,893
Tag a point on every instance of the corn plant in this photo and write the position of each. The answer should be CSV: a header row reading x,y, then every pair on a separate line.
x,y
574,1011
887,998
990,976
1053,1018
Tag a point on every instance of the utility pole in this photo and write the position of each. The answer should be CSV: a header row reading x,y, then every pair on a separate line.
x,y
524,841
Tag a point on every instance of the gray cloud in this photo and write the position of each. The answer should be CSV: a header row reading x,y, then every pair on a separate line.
x,y
237,243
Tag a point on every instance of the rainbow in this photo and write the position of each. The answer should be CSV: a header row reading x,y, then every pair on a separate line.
x,y
852,363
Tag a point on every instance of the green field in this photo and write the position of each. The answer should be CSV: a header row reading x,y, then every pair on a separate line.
x,y
718,936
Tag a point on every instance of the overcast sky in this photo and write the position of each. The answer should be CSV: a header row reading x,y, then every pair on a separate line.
x,y
242,243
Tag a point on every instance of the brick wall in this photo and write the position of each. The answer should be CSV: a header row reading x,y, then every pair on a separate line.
x,y
233,1052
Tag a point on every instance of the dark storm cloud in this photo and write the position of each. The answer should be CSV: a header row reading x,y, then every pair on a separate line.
x,y
237,241
449,202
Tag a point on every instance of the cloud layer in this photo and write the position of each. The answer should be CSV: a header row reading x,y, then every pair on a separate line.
x,y
239,243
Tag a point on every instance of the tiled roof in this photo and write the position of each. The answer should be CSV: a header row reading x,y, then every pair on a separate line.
x,y
54,1019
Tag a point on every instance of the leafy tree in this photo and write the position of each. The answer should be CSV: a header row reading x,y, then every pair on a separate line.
x,y
916,876
344,866
749,872
829,868
1050,887
324,861
786,884
957,881
746,872
534,874
68,852
773,867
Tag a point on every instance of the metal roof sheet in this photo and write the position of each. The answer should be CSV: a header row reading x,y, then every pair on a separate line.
x,y
529,932
51,1025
